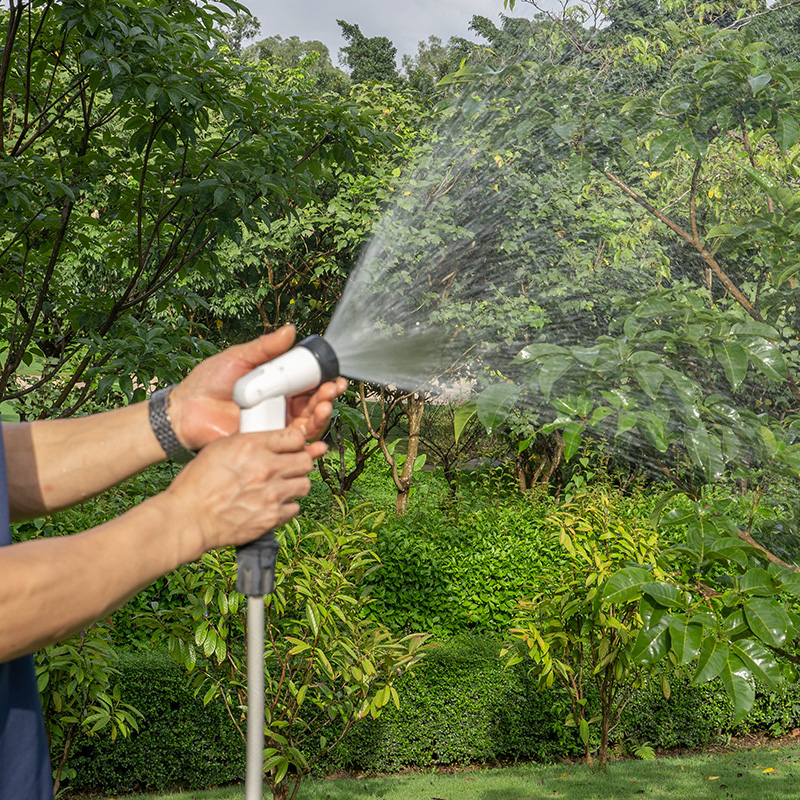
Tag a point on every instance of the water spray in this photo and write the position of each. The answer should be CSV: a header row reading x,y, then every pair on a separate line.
x,y
261,396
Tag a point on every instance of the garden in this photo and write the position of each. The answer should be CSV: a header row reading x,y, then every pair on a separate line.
x,y
554,537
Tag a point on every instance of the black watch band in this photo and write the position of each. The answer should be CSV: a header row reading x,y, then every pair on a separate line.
x,y
162,427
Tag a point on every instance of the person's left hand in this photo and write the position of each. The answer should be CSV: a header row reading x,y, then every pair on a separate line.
x,y
202,409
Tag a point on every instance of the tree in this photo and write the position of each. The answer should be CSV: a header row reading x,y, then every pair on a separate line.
x,y
129,147
368,59
295,268
237,30
581,632
312,57
431,63
696,375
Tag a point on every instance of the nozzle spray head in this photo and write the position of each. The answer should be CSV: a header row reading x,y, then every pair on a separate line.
x,y
303,368
261,394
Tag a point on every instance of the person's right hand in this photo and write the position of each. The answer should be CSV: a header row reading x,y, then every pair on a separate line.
x,y
241,486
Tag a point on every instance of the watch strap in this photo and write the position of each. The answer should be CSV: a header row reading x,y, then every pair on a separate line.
x,y
158,409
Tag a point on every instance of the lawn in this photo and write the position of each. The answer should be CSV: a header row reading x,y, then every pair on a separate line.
x,y
763,774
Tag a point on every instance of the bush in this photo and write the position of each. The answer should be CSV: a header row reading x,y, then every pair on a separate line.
x,y
693,716
776,713
461,706
180,741
451,577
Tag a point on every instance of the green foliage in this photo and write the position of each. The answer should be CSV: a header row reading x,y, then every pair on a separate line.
x,y
696,377
368,58
147,147
460,706
449,577
293,269
583,629
180,741
79,683
312,57
692,716
327,662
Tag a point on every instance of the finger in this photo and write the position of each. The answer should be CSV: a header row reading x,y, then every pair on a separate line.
x,y
286,513
265,348
286,440
316,449
291,466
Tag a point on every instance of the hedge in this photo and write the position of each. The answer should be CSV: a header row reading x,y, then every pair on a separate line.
x,y
459,706
180,742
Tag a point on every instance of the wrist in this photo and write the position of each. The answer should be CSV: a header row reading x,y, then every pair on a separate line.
x,y
181,528
162,414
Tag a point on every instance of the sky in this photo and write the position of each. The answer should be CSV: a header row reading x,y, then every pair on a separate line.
x,y
404,22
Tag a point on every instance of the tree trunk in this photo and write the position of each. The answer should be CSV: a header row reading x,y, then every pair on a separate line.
x,y
416,405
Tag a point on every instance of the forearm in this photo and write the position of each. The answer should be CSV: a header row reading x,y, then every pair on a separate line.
x,y
53,464
52,588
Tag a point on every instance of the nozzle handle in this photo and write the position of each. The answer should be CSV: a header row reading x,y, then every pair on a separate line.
x,y
255,564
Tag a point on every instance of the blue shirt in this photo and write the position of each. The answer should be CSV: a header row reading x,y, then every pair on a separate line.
x,y
24,758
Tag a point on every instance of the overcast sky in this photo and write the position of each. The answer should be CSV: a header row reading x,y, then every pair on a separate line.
x,y
404,22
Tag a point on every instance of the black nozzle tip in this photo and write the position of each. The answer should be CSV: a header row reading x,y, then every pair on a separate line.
x,y
328,362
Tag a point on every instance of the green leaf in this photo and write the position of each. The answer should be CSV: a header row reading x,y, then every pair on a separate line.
x,y
686,638
704,450
768,621
662,147
625,585
758,82
533,352
550,372
463,415
738,686
733,358
664,593
758,660
713,657
565,130
790,582
312,617
767,357
726,229
758,582
652,428
627,422
572,439
494,404
650,379
787,273
787,132
583,729
652,642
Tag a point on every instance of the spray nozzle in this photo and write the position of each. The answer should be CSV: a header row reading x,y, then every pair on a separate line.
x,y
261,395
307,365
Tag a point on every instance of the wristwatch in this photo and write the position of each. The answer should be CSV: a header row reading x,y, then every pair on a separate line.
x,y
158,409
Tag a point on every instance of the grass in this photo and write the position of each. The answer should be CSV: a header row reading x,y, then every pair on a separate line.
x,y
762,774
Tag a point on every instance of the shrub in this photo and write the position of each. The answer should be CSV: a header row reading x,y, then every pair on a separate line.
x,y
180,741
693,715
451,577
458,707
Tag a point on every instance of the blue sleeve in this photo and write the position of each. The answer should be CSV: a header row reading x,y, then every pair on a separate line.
x,y
25,772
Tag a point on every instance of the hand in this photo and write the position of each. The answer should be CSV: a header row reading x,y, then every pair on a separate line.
x,y
241,486
201,406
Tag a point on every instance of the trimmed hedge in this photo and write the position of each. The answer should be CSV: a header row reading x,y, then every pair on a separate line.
x,y
180,742
459,706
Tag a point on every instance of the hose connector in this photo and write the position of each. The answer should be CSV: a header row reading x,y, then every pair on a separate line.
x,y
255,565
